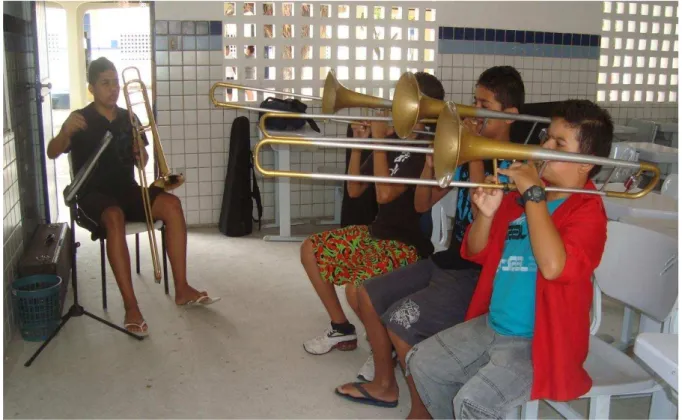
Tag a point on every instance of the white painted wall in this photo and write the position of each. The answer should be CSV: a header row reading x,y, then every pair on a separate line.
x,y
556,16
188,10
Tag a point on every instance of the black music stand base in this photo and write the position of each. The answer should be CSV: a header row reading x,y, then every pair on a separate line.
x,y
76,309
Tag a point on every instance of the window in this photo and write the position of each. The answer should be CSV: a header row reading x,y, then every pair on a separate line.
x,y
637,36
368,46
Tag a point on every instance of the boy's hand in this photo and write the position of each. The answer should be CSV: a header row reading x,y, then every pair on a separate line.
x,y
74,124
380,129
487,200
523,175
361,131
472,125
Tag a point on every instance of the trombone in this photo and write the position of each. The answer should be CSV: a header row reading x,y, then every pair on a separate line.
x,y
165,179
453,146
408,102
335,95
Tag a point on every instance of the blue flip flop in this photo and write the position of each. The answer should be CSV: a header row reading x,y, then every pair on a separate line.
x,y
369,400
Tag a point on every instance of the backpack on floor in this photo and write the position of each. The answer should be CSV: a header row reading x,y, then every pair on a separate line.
x,y
241,187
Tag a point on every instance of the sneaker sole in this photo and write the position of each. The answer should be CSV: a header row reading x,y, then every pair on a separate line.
x,y
349,345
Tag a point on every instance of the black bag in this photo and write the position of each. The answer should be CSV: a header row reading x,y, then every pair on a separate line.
x,y
241,187
286,124
50,251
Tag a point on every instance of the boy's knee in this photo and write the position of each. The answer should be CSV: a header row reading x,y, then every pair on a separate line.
x,y
113,218
306,250
466,406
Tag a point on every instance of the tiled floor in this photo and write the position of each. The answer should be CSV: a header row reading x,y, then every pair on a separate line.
x,y
241,357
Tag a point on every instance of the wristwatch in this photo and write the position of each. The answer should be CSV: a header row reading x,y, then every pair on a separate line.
x,y
535,194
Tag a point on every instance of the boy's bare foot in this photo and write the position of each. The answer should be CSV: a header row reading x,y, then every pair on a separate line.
x,y
134,321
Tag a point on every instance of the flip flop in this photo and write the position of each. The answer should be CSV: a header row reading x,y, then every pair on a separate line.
x,y
202,301
369,400
142,332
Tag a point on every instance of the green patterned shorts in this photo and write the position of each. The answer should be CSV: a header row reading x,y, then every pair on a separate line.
x,y
352,255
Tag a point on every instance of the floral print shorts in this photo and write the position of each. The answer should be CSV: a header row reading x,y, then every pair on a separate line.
x,y
352,255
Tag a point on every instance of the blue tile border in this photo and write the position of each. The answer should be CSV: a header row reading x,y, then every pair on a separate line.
x,y
449,46
520,37
460,40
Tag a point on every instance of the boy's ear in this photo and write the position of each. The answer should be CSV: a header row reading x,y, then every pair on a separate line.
x,y
510,110
90,89
585,168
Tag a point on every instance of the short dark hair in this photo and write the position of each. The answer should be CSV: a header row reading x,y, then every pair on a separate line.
x,y
430,85
506,84
594,123
98,67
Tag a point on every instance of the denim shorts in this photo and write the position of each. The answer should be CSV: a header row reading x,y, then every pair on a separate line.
x,y
471,372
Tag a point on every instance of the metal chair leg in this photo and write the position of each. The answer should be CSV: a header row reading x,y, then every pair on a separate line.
x,y
137,252
165,258
103,256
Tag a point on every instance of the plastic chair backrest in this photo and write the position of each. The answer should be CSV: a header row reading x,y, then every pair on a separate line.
x,y
639,268
669,187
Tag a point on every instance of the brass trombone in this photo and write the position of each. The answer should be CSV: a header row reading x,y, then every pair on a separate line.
x,y
453,145
165,179
408,102
336,97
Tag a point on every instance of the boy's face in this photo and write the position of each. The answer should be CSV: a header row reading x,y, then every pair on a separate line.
x,y
564,138
494,128
106,89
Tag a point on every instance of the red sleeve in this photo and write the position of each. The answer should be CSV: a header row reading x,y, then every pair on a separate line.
x,y
584,236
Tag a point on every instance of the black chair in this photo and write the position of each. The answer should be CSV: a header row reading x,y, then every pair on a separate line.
x,y
132,228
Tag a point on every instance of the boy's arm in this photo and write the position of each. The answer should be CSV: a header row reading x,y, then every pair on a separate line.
x,y
566,254
426,196
545,240
355,189
476,175
480,233
385,192
572,251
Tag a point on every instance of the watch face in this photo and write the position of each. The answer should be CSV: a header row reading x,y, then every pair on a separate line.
x,y
535,194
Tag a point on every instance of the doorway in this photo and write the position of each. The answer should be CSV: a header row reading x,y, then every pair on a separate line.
x,y
127,43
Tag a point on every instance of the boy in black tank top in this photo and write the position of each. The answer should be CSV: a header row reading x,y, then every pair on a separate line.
x,y
112,197
404,307
351,255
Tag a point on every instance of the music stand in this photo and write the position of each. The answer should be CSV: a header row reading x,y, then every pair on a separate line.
x,y
70,195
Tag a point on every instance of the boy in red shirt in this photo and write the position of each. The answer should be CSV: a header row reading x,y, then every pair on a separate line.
x,y
527,329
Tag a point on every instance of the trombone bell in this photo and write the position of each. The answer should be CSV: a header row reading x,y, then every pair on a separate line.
x,y
337,97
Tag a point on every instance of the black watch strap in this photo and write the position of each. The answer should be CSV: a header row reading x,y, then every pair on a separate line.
x,y
535,194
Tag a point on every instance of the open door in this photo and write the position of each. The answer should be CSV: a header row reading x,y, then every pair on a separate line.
x,y
43,88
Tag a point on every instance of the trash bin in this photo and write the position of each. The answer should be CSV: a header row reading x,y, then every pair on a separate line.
x,y
37,305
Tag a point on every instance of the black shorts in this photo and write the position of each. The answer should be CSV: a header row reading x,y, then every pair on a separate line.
x,y
421,299
129,199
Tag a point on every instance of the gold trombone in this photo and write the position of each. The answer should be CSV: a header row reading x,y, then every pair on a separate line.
x,y
408,102
165,179
453,145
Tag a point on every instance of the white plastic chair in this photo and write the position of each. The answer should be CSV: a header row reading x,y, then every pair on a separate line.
x,y
643,277
669,187
441,214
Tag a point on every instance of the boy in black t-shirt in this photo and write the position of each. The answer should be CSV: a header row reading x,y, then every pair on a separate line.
x,y
111,195
404,307
351,255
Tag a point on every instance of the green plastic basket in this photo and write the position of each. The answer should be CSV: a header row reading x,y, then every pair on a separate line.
x,y
37,305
